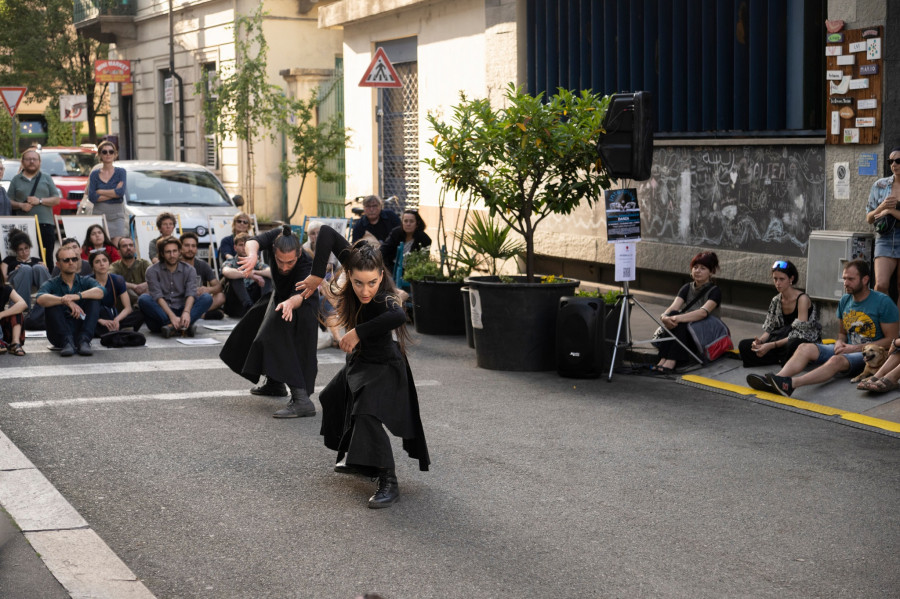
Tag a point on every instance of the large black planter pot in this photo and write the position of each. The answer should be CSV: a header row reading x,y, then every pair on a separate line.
x,y
437,309
515,323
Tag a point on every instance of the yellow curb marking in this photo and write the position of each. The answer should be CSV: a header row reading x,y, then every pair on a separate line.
x,y
887,425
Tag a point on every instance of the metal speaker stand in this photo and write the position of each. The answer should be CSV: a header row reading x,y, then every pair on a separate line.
x,y
625,301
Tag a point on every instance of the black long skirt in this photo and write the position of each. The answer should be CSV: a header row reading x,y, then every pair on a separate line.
x,y
263,343
380,391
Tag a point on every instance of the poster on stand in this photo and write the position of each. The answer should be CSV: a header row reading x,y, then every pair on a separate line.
x,y
623,216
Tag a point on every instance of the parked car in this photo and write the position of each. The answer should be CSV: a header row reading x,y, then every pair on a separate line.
x,y
188,191
11,167
70,169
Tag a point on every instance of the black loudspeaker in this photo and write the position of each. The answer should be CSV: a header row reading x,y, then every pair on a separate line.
x,y
627,146
579,337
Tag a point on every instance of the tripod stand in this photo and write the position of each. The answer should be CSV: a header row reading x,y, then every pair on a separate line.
x,y
625,324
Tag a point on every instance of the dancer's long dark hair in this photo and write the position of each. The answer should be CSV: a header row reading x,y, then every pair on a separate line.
x,y
363,256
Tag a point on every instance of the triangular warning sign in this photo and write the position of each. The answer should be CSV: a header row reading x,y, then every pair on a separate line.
x,y
380,73
12,96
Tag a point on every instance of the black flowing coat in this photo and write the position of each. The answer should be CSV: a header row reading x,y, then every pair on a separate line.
x,y
376,380
264,343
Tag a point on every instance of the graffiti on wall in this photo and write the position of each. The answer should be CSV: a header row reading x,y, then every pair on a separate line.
x,y
763,199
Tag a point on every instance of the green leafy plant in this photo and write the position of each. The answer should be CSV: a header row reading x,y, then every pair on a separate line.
x,y
609,298
526,161
422,265
489,243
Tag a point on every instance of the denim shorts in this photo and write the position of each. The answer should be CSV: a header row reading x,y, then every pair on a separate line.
x,y
857,362
888,246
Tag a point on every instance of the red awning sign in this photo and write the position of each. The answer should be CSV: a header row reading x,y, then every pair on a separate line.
x,y
380,73
12,96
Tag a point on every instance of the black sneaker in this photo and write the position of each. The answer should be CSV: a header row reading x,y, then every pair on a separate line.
x,y
760,383
168,331
84,348
782,384
191,330
67,350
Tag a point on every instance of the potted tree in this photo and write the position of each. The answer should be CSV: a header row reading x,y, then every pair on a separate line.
x,y
530,159
435,282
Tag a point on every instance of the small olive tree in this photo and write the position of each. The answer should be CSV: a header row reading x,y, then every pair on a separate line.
x,y
526,161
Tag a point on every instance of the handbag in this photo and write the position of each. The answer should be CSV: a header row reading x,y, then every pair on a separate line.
x,y
885,224
712,337
123,339
660,332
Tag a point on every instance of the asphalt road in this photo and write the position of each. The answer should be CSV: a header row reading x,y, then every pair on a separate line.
x,y
540,486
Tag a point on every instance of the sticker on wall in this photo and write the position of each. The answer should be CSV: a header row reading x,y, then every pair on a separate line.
x,y
842,180
851,136
834,50
834,75
868,69
870,33
857,47
873,48
847,59
869,104
865,121
866,164
859,84
841,88
840,100
835,38
847,112
835,123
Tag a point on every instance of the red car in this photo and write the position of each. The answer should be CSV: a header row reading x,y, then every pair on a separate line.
x,y
70,169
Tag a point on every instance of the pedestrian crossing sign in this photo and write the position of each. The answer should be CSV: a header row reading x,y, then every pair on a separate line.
x,y
381,72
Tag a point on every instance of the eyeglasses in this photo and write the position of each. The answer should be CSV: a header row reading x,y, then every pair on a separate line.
x,y
241,221
107,152
779,264
70,260
893,160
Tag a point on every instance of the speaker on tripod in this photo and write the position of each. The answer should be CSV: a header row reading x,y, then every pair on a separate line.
x,y
580,347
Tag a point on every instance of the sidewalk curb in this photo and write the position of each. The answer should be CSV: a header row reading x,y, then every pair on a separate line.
x,y
847,418
76,556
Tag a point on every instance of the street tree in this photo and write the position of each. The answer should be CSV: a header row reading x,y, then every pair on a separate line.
x,y
42,50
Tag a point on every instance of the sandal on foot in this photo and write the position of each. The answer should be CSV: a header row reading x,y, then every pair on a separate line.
x,y
661,369
883,385
16,349
867,384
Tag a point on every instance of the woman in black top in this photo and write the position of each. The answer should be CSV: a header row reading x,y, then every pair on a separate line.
x,y
375,388
277,337
411,233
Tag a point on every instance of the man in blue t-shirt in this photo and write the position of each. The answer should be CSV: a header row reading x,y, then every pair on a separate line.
x,y
865,316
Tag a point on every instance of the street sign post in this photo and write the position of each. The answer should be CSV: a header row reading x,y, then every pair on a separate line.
x,y
12,97
381,72
73,109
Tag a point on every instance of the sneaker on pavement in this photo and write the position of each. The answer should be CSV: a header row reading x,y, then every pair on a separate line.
x,y
168,331
298,407
783,384
84,348
191,330
760,383
270,388
67,350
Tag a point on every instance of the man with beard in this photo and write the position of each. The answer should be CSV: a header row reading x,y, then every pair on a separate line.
x,y
172,304
277,336
207,281
131,268
31,193
865,316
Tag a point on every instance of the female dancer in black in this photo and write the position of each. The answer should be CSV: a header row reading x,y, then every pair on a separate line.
x,y
375,388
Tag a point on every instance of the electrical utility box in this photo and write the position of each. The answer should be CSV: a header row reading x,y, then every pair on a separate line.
x,y
828,252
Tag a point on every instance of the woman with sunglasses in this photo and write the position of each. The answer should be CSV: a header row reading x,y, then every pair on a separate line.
x,y
790,321
106,188
240,224
883,212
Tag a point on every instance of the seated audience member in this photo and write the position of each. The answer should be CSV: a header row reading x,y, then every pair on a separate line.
x,y
132,269
243,292
325,305
12,308
312,234
165,223
172,304
376,222
865,316
790,321
95,240
411,233
112,318
695,301
23,271
240,224
71,305
71,242
5,206
207,281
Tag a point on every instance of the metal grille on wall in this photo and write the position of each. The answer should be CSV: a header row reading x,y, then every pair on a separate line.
x,y
331,103
400,137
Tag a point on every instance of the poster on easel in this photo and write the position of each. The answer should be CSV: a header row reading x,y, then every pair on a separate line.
x,y
24,224
623,216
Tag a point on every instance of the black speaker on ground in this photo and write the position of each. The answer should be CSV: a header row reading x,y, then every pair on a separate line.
x,y
627,146
579,337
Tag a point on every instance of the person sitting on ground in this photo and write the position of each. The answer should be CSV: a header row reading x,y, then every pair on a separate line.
x,y
116,312
12,308
71,305
5,206
411,233
165,223
865,316
207,281
326,308
278,338
23,271
790,321
242,292
172,304
376,222
132,269
71,242
96,240
312,234
695,301
239,224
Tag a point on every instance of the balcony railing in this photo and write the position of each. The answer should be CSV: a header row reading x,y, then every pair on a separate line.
x,y
86,10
